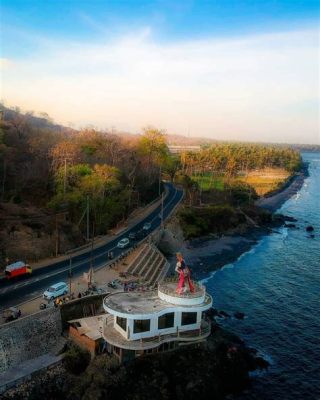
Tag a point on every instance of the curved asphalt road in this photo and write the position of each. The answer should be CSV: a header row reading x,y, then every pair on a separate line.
x,y
23,289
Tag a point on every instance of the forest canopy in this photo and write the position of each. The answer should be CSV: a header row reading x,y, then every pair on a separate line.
x,y
64,169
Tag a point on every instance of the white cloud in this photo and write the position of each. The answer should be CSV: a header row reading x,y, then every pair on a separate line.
x,y
261,87
5,63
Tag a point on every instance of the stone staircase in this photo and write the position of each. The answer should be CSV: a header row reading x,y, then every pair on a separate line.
x,y
149,265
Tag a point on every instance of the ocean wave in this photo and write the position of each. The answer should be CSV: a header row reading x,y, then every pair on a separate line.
x,y
211,275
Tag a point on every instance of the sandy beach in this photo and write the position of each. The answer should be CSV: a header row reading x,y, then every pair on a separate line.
x,y
209,254
272,203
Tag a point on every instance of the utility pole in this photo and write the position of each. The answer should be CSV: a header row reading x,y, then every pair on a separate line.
x,y
162,225
57,237
65,177
4,178
201,183
160,181
70,273
88,219
91,259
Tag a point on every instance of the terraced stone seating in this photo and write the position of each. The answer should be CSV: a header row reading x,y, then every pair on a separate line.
x,y
138,259
150,265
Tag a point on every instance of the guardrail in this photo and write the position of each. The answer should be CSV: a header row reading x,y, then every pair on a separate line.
x,y
151,342
200,290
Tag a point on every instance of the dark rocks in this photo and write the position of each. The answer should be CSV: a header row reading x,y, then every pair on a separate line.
x,y
239,315
290,225
261,363
290,219
309,228
214,370
253,351
211,313
223,314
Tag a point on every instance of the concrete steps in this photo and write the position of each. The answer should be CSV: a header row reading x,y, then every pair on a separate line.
x,y
149,265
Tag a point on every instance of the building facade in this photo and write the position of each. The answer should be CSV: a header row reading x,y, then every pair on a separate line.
x,y
139,323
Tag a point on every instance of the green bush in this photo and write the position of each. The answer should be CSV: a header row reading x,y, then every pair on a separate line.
x,y
76,360
212,219
242,193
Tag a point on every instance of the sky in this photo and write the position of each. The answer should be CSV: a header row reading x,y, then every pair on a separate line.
x,y
228,70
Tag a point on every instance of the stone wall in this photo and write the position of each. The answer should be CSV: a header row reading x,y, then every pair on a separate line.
x,y
29,337
171,239
85,307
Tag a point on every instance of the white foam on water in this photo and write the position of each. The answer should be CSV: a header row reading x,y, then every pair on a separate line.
x,y
227,266
232,265
211,275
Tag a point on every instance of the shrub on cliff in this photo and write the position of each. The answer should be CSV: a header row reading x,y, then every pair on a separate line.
x,y
212,219
76,360
241,193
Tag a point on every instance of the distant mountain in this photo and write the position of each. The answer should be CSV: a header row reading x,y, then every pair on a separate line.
x,y
43,121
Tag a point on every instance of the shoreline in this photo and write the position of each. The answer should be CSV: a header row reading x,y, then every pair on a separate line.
x,y
207,254
279,197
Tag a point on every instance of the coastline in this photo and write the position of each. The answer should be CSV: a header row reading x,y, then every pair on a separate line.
x,y
208,254
274,201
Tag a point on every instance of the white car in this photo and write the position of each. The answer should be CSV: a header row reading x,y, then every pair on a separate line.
x,y
146,226
56,290
123,243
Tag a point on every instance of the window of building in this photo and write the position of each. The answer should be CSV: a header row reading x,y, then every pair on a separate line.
x,y
166,321
122,322
141,325
188,318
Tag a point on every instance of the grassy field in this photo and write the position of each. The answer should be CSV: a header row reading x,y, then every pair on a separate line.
x,y
266,180
263,181
206,182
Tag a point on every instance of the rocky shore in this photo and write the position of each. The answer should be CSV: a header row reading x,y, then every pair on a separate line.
x,y
212,252
216,368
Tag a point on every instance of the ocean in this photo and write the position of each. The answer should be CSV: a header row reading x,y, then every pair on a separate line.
x,y
277,285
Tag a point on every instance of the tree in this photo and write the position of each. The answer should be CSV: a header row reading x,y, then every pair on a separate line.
x,y
153,145
171,165
64,151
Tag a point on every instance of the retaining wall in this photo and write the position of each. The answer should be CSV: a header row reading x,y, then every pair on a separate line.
x,y
29,337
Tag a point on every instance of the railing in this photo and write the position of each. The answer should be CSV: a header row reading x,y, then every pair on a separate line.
x,y
200,290
151,342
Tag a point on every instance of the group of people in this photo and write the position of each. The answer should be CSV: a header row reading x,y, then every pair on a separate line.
x,y
184,275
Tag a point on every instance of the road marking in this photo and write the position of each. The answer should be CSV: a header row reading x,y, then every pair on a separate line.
x,y
78,264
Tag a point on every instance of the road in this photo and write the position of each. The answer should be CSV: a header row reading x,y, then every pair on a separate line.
x,y
21,290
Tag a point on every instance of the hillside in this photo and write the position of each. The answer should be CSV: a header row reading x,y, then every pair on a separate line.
x,y
52,176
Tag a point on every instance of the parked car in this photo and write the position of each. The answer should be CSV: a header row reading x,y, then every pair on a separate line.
x,y
123,243
133,235
146,226
56,290
141,234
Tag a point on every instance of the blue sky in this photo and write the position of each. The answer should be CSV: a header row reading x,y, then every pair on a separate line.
x,y
170,20
242,58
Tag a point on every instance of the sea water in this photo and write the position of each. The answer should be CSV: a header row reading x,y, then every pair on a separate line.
x,y
277,285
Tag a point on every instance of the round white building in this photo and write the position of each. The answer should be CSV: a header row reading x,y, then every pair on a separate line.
x,y
144,322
